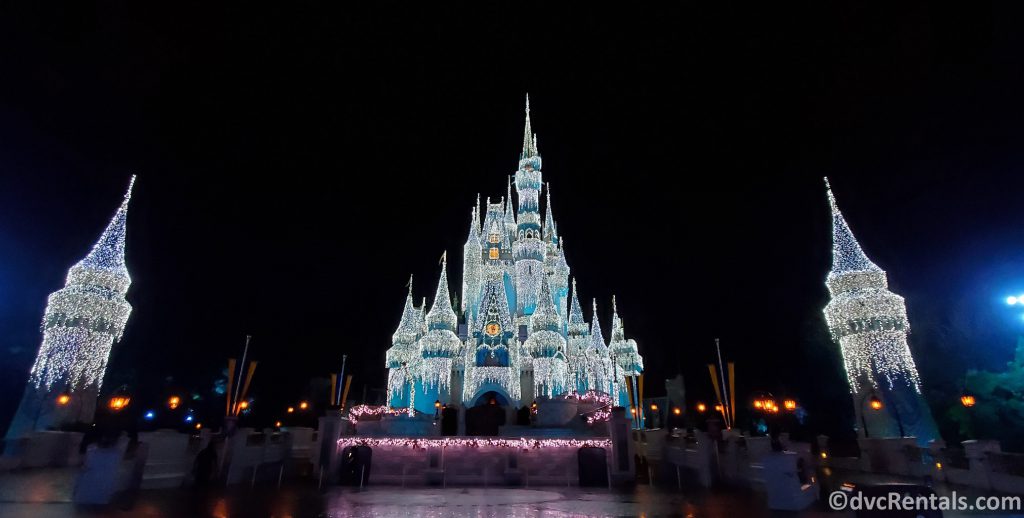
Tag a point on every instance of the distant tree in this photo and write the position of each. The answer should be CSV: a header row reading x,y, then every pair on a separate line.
x,y
998,412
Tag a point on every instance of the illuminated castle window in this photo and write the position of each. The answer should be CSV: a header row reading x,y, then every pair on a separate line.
x,y
493,238
493,253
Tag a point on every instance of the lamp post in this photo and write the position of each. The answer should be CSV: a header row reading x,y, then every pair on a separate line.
x,y
968,401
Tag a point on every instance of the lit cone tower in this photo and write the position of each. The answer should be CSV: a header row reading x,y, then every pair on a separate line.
x,y
82,322
869,323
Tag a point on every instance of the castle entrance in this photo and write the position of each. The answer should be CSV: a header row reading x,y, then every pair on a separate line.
x,y
486,414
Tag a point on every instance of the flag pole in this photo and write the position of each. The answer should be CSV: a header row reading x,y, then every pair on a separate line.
x,y
725,391
241,369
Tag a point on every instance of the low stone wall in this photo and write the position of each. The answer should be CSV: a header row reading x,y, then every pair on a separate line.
x,y
475,461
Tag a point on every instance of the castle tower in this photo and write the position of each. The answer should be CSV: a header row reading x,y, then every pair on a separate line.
x,y
594,360
546,346
578,332
869,323
528,249
440,346
554,260
402,359
472,266
82,322
626,359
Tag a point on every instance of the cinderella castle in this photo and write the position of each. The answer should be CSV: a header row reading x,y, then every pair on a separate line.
x,y
518,331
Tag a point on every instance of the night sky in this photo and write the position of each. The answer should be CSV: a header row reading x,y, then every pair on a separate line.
x,y
297,164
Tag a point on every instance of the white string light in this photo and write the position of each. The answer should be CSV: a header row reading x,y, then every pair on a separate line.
x,y
515,274
867,320
85,317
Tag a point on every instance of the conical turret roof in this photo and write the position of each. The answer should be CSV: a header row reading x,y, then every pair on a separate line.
x,y
847,255
108,252
441,315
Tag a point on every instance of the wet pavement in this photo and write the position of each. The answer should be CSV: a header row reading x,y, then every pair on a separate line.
x,y
46,494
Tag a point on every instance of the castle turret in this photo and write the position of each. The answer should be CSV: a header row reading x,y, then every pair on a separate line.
x,y
440,346
869,323
82,322
529,249
402,358
472,265
546,346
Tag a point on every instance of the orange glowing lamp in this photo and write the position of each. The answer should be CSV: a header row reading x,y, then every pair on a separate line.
x,y
876,404
63,399
759,404
303,405
967,400
789,404
719,408
173,402
291,410
677,411
654,408
117,403
701,407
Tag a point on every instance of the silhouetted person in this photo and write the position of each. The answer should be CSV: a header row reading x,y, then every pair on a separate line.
x,y
205,466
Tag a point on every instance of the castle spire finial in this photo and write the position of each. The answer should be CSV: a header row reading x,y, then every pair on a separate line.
x,y
528,148
108,251
847,255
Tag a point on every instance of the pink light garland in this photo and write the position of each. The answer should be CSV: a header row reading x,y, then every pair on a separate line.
x,y
603,413
359,411
521,443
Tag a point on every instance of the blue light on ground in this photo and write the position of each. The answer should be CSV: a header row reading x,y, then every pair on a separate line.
x,y
150,415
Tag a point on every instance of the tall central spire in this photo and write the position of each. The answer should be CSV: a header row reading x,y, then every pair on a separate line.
x,y
529,141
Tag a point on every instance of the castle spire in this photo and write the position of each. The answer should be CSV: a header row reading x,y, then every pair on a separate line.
x,y
529,149
441,315
474,228
618,333
577,324
847,255
597,338
108,252
510,216
408,326
549,221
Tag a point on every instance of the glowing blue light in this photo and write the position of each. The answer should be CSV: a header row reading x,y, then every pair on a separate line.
x,y
150,415
188,418
1011,300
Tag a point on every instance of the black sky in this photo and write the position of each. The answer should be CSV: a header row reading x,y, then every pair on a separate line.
x,y
297,163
